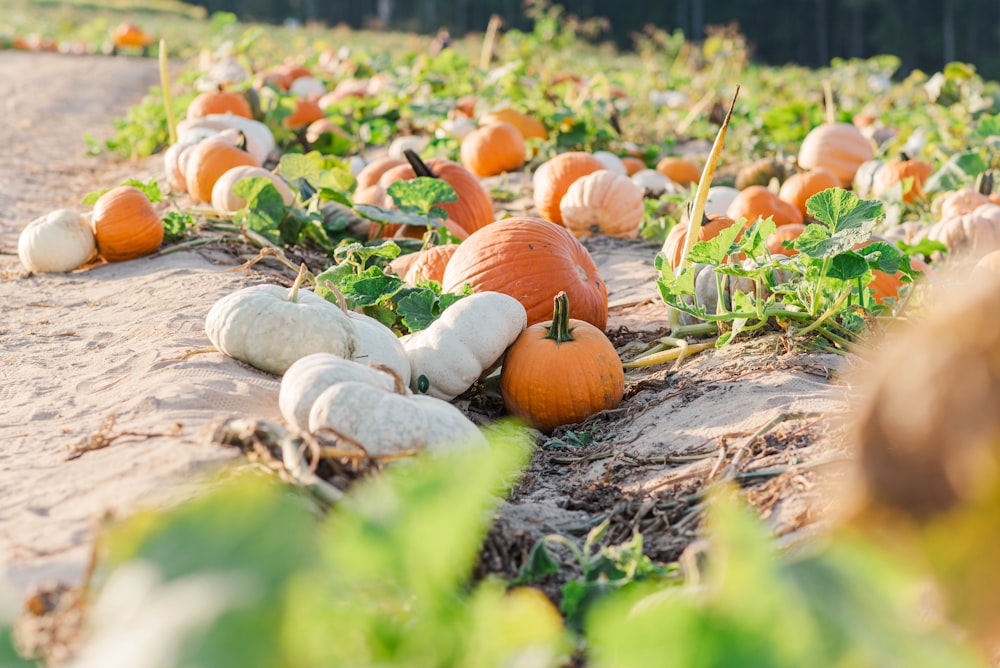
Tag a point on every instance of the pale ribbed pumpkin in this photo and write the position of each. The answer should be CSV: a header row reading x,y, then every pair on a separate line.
x,y
839,147
208,161
970,235
803,185
531,260
603,202
493,149
530,127
125,224
554,177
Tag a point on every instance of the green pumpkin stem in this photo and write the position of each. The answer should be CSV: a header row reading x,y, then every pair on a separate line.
x,y
559,330
293,294
420,167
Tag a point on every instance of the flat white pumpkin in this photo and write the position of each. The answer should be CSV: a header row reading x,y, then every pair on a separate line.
x,y
309,376
61,240
379,346
466,340
387,423
270,327
226,202
259,138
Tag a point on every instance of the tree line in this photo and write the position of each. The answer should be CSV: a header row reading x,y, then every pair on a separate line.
x,y
925,34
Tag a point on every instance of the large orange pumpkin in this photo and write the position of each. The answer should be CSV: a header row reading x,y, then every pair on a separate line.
x,y
126,224
839,147
531,260
554,177
561,372
759,202
799,187
493,149
373,171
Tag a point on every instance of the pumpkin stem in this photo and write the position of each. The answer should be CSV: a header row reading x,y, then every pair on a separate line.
x,y
830,108
904,156
420,167
559,330
984,182
293,294
341,302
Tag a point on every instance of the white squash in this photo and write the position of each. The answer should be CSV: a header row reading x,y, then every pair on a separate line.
x,y
259,139
308,87
611,162
653,182
61,240
415,143
719,199
271,327
388,423
309,376
467,339
379,346
226,202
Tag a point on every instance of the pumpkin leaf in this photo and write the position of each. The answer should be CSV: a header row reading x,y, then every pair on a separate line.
x,y
419,195
957,171
925,247
843,211
540,563
264,210
882,256
420,306
754,240
715,250
391,216
989,126
847,266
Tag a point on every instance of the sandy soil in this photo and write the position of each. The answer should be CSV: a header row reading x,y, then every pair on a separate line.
x,y
99,357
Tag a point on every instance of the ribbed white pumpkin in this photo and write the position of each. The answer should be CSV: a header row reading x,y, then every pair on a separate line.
x,y
226,202
61,240
603,202
258,137
611,162
839,147
970,235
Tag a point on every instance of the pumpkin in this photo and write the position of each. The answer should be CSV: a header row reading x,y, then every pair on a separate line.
x,y
673,245
459,128
653,183
864,178
603,202
307,87
553,178
531,260
466,341
61,240
633,164
799,187
270,327
125,224
887,286
429,264
966,200
219,102
972,234
493,149
226,202
400,145
373,171
899,172
127,34
679,170
322,126
391,424
529,126
306,111
839,147
400,265
561,372
775,242
612,162
760,173
207,162
719,199
258,138
378,346
759,202
309,376
471,211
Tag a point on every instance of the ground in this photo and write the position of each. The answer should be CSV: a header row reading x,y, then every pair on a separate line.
x,y
100,358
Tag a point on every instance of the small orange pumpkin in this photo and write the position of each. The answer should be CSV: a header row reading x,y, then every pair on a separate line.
x,y
561,372
493,149
306,111
126,224
430,264
839,147
128,34
887,286
782,234
207,161
803,185
219,102
553,178
679,170
759,202
711,226
531,260
898,171
529,126
633,164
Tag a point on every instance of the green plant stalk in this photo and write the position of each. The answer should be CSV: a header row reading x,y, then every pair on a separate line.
x,y
829,313
168,101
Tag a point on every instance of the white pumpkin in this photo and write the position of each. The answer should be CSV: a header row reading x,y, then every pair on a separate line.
x,y
719,199
653,182
415,143
379,346
61,240
309,376
270,327
467,339
308,87
386,423
611,162
459,128
226,202
259,139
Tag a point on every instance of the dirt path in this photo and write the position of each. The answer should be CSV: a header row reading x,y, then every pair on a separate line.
x,y
99,357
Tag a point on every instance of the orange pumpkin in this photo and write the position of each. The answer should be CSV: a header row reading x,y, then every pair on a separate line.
x,y
673,246
130,35
633,164
430,264
679,170
603,202
782,234
306,111
886,286
759,202
529,126
373,171
561,371
898,171
316,129
493,149
803,185
209,160
553,178
531,260
839,147
126,224
219,102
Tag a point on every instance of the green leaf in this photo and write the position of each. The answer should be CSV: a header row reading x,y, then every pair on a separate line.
x,y
849,221
540,563
989,126
372,288
391,216
264,210
958,170
925,247
882,256
417,309
754,240
715,250
419,195
307,167
847,266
